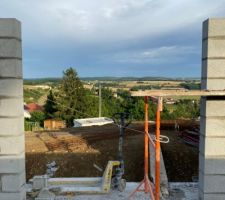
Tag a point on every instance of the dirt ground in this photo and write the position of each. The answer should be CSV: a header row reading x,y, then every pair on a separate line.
x,y
76,150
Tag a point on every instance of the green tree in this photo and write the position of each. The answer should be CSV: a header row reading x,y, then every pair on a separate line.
x,y
50,106
37,116
71,97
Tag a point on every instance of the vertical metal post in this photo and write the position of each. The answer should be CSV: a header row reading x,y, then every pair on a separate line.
x,y
146,157
100,99
157,150
148,186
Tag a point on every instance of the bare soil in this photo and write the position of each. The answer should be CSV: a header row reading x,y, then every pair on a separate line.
x,y
76,150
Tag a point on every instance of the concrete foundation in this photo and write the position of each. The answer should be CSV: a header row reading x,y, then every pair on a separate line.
x,y
12,159
212,129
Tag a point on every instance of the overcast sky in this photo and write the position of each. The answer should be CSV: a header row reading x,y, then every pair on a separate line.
x,y
112,37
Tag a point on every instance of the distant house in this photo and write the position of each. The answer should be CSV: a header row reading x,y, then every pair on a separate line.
x,y
97,121
53,124
26,114
31,107
170,101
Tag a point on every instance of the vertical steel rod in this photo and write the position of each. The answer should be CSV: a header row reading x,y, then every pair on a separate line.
x,y
146,157
157,150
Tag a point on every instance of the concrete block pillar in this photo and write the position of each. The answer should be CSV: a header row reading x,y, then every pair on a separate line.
x,y
212,139
12,147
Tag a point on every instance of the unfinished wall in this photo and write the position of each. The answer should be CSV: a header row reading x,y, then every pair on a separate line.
x,y
12,159
212,140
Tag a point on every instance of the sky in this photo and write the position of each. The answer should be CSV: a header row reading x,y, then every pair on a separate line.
x,y
112,37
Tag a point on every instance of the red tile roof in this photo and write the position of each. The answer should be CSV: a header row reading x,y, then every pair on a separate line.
x,y
31,107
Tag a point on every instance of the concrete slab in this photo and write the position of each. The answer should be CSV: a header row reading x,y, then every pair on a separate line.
x,y
178,191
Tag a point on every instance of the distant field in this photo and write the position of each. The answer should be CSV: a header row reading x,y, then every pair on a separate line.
x,y
36,91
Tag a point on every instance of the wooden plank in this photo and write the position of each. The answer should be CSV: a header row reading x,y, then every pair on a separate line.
x,y
170,93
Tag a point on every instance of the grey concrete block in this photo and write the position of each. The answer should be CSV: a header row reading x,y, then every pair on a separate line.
x,y
213,68
205,196
212,146
213,48
212,164
213,184
212,108
13,183
10,28
212,127
12,164
14,195
214,28
11,68
7,129
11,107
10,48
12,145
39,182
212,84
11,87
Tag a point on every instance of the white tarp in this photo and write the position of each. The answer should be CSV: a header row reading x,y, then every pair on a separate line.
x,y
96,121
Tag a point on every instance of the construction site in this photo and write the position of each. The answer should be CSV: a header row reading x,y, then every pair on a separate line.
x,y
122,159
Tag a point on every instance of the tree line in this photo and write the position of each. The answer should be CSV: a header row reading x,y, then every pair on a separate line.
x,y
70,100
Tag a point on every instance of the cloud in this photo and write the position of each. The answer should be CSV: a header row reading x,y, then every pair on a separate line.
x,y
107,21
100,33
159,55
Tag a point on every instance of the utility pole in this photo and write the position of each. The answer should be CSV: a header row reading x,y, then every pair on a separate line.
x,y
100,99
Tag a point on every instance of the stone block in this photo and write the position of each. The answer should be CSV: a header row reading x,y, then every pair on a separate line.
x,y
212,146
212,84
13,183
213,68
12,145
212,127
11,107
10,68
11,87
10,48
12,163
212,108
12,126
39,182
212,183
10,28
203,196
14,195
213,28
212,164
213,48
